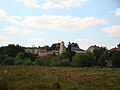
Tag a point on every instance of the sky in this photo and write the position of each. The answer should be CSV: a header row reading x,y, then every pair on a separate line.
x,y
44,22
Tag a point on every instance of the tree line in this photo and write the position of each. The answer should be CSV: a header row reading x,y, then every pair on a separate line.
x,y
16,55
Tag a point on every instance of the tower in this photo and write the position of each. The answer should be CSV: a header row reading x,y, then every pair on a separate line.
x,y
62,48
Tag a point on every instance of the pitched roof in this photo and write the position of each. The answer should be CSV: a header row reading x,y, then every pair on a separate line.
x,y
45,53
115,49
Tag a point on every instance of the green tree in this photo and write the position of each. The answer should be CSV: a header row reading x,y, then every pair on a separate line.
x,y
11,50
118,45
116,58
69,53
83,60
99,51
23,58
103,57
8,61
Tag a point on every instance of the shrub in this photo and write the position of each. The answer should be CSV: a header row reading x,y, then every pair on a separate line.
x,y
8,61
27,62
83,60
44,61
116,58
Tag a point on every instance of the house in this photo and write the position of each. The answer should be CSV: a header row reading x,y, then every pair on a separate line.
x,y
44,54
92,48
115,49
75,48
35,50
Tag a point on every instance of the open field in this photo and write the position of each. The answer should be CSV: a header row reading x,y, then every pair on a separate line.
x,y
58,78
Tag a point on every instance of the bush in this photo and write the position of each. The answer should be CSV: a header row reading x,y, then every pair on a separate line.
x,y
2,58
83,60
116,58
27,62
103,57
8,61
19,62
44,61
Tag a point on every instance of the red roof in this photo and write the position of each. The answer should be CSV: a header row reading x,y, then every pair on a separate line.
x,y
44,54
115,49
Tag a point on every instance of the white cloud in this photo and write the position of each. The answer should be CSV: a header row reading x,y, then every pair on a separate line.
x,y
30,3
61,3
3,14
3,37
116,12
35,40
84,43
10,30
112,31
15,30
41,32
62,23
52,3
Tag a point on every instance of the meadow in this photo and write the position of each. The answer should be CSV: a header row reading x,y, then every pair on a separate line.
x,y
58,78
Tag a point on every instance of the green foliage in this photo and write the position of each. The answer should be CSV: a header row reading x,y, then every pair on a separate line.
x,y
103,57
116,58
8,61
118,45
44,61
69,54
27,62
83,60
2,58
23,59
99,51
11,50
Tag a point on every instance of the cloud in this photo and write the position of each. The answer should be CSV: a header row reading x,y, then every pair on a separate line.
x,y
30,3
15,30
3,14
61,23
116,12
112,31
3,37
84,43
62,3
38,40
52,3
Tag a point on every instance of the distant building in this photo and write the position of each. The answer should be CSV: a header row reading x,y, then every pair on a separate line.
x,y
115,49
45,53
62,48
55,46
75,48
35,50
92,48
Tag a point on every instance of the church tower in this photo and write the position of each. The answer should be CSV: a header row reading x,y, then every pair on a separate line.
x,y
62,48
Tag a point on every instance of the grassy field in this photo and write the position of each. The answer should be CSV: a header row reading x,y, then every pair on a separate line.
x,y
58,78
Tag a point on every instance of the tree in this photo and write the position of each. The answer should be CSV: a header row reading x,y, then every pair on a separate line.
x,y
69,53
8,61
11,50
83,60
98,52
118,45
116,58
103,57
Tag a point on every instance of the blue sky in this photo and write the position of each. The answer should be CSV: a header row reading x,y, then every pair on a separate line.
x,y
44,22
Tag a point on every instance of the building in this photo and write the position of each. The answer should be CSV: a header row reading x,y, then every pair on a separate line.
x,y
35,50
115,49
92,48
75,48
62,48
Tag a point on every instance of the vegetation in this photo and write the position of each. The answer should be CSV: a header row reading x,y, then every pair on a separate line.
x,y
58,78
15,55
